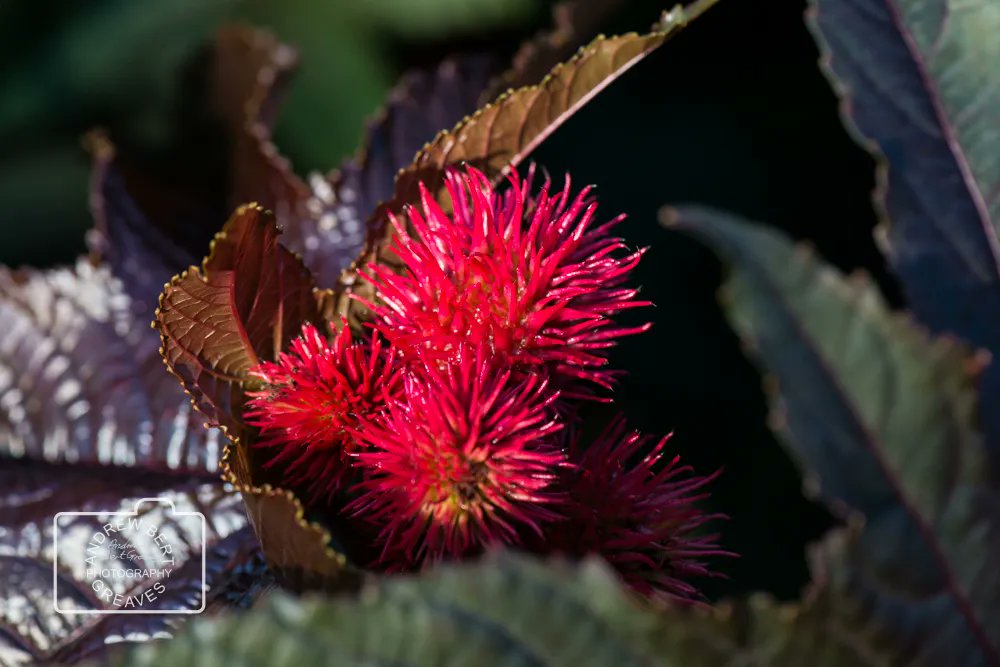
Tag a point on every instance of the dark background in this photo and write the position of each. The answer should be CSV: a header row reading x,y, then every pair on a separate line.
x,y
733,113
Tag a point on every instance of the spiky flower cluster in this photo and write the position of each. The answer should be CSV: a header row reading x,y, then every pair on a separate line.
x,y
637,510
315,396
533,281
448,428
467,453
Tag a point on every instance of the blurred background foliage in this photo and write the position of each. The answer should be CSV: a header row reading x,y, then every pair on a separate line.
x,y
69,66
733,113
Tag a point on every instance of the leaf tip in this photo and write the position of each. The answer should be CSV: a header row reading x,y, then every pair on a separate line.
x,y
669,217
98,144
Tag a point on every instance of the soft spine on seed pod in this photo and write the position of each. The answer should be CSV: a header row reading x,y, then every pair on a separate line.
x,y
449,427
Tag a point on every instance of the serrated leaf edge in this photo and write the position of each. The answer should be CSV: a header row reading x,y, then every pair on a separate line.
x,y
856,288
670,23
233,441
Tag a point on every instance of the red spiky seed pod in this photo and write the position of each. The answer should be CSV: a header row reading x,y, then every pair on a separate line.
x,y
313,395
629,504
533,279
461,459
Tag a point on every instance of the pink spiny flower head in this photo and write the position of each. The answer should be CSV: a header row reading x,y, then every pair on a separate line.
x,y
313,396
533,279
637,510
463,459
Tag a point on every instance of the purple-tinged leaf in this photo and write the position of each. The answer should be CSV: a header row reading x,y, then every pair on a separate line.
x,y
88,421
236,575
500,135
250,297
143,230
252,70
324,219
574,23
81,379
298,551
34,492
422,104
882,418
418,107
920,82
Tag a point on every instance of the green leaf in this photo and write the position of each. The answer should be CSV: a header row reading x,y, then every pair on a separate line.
x,y
513,610
144,45
505,610
921,88
883,419
831,627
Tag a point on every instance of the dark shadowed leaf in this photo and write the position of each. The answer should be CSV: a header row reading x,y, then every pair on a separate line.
x,y
249,298
144,231
500,135
324,220
883,420
511,610
574,22
90,422
34,492
921,87
297,550
421,105
833,626
251,70
504,611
